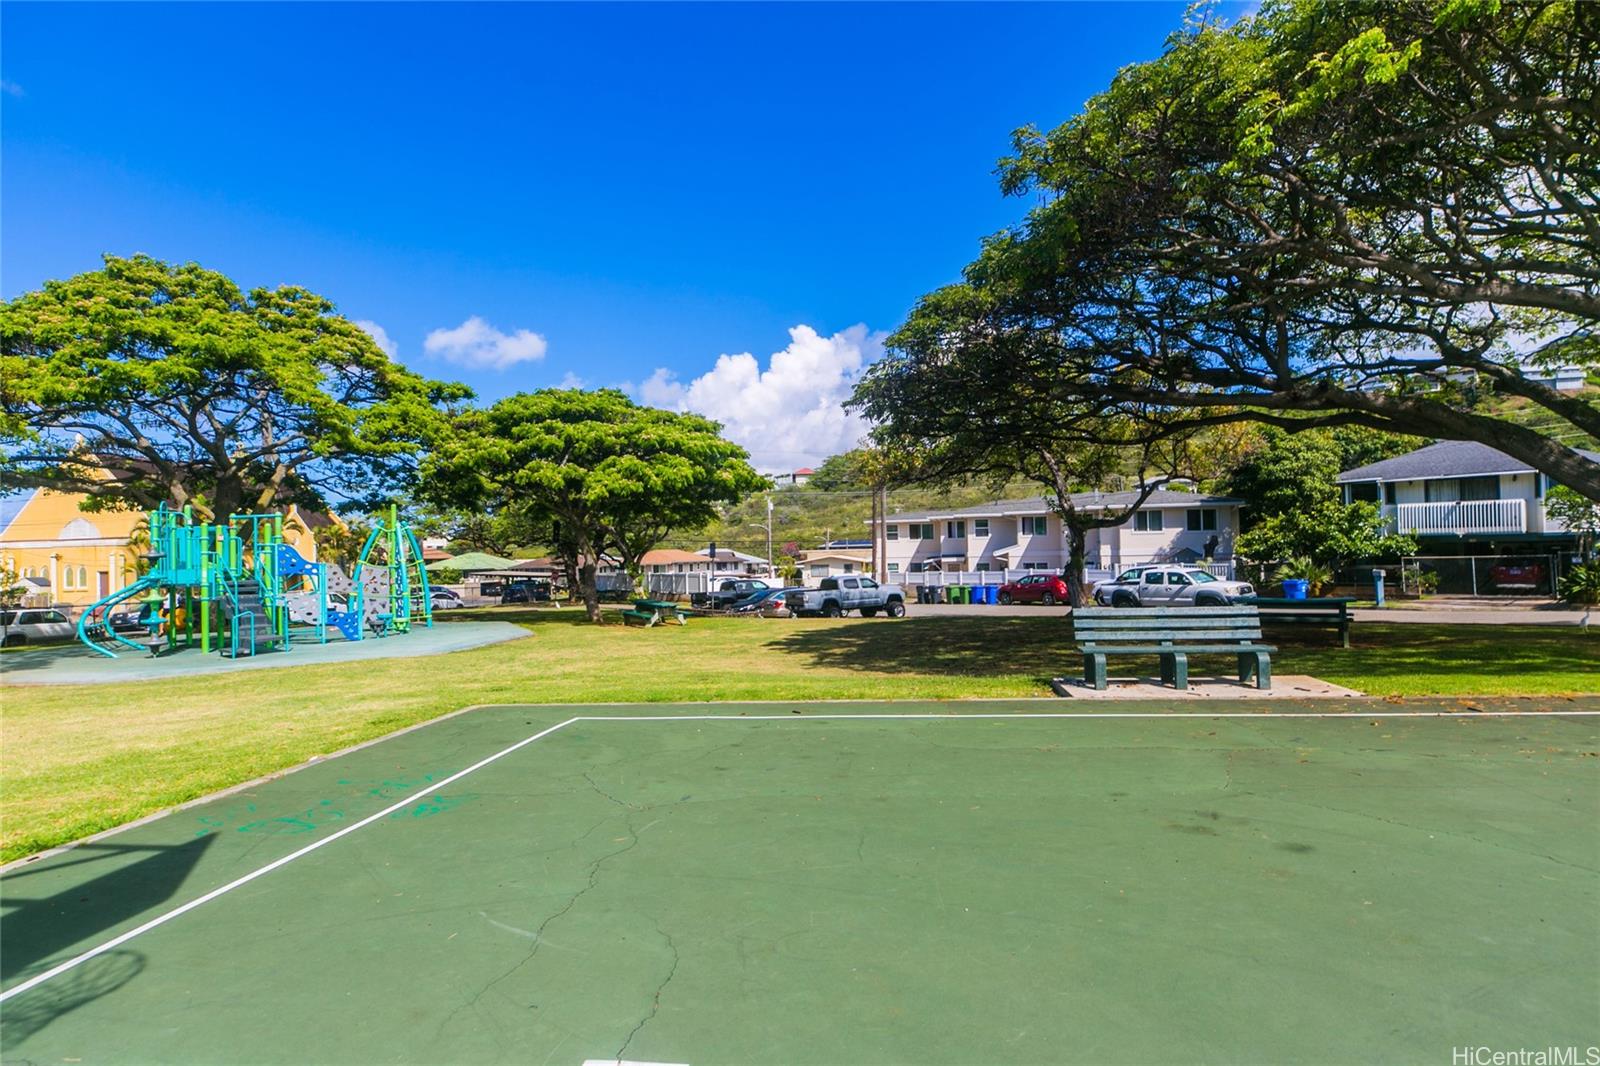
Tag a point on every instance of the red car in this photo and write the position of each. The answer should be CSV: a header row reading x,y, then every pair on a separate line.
x,y
1047,589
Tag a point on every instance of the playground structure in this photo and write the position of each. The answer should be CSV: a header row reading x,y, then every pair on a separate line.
x,y
237,588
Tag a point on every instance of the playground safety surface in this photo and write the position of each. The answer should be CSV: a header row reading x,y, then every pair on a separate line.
x,y
990,882
73,664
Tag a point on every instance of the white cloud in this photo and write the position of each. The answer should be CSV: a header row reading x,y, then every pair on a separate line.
x,y
10,88
571,381
479,345
379,335
789,415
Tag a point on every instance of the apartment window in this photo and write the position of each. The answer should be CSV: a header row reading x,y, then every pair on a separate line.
x,y
915,568
1036,566
983,567
849,568
1202,518
891,532
922,531
980,527
1034,525
1366,491
894,568
819,570
1388,494
955,530
1480,488
1147,521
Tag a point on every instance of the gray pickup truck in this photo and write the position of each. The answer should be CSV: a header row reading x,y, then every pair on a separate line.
x,y
835,596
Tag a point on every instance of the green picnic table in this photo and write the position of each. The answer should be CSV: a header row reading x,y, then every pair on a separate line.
x,y
653,612
1314,610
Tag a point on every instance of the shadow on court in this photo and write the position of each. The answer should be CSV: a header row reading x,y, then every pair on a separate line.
x,y
36,928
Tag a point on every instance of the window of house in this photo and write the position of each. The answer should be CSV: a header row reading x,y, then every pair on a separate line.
x,y
955,530
915,568
819,570
922,530
1362,490
1202,518
894,568
1388,494
1036,566
980,527
1147,521
1034,525
849,568
982,567
891,532
1480,488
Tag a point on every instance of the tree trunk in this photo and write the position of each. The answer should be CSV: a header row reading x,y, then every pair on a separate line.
x,y
588,589
1077,557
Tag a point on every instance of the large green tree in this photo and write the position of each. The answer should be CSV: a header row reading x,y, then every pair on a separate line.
x,y
1365,213
144,383
932,421
602,474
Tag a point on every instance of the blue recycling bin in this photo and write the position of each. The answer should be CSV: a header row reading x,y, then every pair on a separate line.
x,y
988,593
1295,588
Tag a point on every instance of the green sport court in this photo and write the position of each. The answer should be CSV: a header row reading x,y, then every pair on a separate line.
x,y
1007,882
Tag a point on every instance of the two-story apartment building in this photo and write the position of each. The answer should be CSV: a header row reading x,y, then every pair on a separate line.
x,y
1461,497
1026,535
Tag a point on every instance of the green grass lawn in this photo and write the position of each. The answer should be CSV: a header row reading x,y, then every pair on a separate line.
x,y
79,759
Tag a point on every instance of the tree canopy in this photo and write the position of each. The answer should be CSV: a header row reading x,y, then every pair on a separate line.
x,y
602,474
1368,213
144,383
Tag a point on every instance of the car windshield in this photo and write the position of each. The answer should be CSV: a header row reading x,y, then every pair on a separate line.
x,y
1200,577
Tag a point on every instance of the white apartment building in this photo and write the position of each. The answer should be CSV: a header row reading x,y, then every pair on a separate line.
x,y
1025,535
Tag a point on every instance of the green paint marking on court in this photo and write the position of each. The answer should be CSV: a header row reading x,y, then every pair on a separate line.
x,y
861,890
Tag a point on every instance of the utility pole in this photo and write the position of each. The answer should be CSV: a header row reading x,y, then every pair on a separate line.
x,y
771,569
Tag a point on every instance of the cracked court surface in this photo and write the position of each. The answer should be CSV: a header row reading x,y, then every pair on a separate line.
x,y
975,882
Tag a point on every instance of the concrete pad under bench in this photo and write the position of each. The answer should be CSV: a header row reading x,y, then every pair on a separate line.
x,y
1284,687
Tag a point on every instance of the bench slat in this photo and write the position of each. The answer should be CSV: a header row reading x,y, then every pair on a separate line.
x,y
1157,649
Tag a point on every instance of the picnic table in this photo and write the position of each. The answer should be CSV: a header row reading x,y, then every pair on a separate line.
x,y
1315,610
653,612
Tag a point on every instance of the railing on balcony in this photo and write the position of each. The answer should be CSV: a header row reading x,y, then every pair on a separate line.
x,y
1460,516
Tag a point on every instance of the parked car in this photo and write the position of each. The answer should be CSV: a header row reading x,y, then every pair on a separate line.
x,y
133,620
443,599
526,592
1047,589
45,625
1514,575
766,602
836,596
1169,586
728,592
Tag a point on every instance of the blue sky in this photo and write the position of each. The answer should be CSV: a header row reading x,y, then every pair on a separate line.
x,y
617,194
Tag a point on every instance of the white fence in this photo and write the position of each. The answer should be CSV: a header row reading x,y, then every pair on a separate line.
x,y
939,578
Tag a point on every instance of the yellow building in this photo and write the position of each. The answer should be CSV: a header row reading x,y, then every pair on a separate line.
x,y
70,557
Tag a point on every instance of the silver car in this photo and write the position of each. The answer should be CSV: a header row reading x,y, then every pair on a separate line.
x,y
1170,586
42,625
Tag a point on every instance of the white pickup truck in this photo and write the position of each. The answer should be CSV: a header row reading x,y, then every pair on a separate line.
x,y
834,596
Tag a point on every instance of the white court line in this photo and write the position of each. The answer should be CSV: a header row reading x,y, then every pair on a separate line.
x,y
434,788
163,919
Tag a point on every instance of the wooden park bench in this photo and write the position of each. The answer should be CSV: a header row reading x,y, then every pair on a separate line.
x,y
1173,633
653,612
1319,610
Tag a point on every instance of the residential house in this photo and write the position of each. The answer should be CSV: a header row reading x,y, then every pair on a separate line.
x,y
1026,535
1461,497
829,561
71,557
674,561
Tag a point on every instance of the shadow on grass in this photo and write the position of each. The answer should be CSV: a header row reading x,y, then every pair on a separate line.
x,y
1041,648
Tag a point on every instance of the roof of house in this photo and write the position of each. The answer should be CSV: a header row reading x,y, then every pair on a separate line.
x,y
10,505
435,555
544,562
1447,458
861,556
663,556
1084,501
729,555
472,562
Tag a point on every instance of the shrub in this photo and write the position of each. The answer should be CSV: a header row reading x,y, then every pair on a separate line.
x,y
1581,585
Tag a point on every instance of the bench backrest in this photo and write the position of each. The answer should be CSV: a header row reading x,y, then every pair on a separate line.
x,y
1165,625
